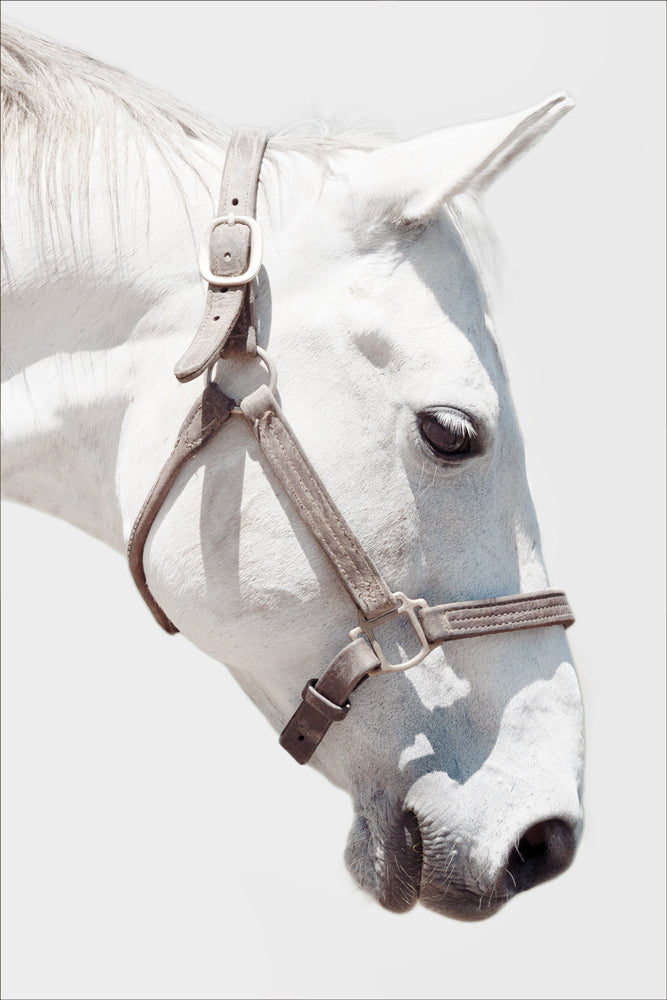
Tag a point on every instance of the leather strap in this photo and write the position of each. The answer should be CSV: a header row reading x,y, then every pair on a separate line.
x,y
326,700
314,505
464,620
229,249
206,417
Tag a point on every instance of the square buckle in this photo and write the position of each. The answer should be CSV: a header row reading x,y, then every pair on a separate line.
x,y
256,249
406,606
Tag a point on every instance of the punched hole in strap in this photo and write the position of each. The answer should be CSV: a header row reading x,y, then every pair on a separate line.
x,y
329,709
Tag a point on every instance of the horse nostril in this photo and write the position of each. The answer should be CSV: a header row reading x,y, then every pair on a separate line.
x,y
533,844
542,852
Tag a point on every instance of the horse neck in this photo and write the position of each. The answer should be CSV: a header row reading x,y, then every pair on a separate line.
x,y
95,312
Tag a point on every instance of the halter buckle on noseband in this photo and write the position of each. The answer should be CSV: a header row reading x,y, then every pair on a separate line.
x,y
407,607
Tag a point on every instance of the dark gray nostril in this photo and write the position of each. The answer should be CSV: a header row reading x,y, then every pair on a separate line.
x,y
543,851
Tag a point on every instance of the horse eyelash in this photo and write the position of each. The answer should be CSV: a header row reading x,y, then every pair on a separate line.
x,y
454,421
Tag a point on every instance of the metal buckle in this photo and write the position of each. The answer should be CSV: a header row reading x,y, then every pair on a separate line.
x,y
406,607
256,248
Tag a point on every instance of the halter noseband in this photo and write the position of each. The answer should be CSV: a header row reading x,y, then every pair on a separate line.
x,y
230,260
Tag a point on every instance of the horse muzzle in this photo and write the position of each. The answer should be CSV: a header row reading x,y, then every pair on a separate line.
x,y
415,860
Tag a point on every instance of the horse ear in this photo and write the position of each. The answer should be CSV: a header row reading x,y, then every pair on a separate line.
x,y
407,182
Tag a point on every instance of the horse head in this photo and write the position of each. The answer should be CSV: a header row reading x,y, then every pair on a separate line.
x,y
465,770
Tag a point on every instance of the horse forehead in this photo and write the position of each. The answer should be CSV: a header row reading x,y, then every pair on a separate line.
x,y
386,279
318,227
407,296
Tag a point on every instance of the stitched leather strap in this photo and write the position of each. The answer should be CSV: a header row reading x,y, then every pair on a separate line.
x,y
206,417
229,249
314,505
500,614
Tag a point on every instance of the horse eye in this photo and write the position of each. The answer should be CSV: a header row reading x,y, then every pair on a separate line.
x,y
448,432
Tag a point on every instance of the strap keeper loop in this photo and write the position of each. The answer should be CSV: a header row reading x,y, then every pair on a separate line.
x,y
329,709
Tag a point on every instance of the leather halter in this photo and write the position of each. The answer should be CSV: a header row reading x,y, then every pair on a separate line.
x,y
230,259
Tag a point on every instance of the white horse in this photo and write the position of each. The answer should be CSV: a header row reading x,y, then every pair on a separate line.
x,y
465,771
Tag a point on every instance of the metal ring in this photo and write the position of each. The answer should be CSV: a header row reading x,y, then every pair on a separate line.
x,y
270,367
405,606
272,371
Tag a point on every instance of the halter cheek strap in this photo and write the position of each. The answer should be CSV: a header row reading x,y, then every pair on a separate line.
x,y
314,505
229,264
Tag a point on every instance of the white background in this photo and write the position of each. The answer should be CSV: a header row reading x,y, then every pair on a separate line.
x,y
158,843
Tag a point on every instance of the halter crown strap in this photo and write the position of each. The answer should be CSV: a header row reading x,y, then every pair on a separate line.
x,y
227,254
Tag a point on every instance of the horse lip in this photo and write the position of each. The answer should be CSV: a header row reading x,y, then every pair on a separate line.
x,y
460,903
455,902
402,883
390,867
413,854
409,886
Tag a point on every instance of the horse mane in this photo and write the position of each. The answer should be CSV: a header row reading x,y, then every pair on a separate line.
x,y
59,92
67,101
56,91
